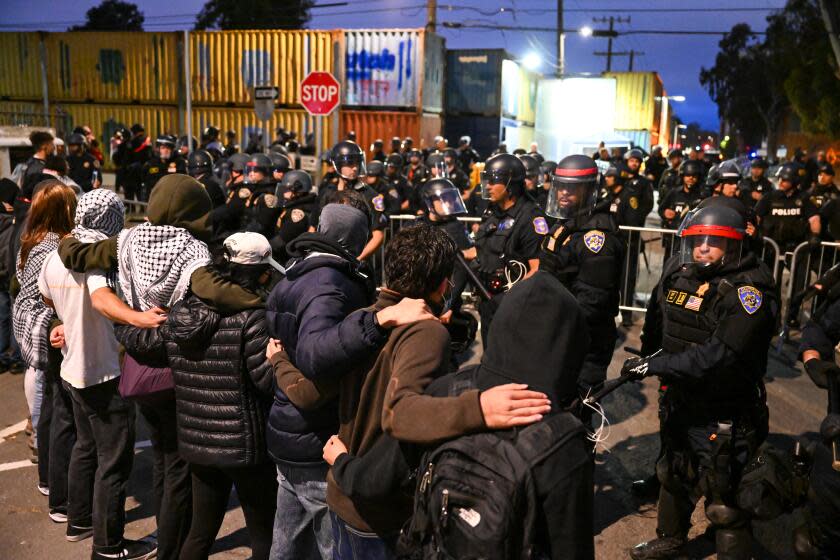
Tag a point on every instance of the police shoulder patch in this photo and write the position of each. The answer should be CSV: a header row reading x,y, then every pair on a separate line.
x,y
750,298
270,201
86,164
594,240
244,192
172,167
379,203
634,202
297,215
540,225
154,170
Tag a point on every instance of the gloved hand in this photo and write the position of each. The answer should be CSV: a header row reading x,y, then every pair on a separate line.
x,y
814,242
830,428
819,370
635,368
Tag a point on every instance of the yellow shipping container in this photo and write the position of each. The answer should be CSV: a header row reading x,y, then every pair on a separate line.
x,y
244,122
20,66
636,106
119,67
24,113
225,65
519,92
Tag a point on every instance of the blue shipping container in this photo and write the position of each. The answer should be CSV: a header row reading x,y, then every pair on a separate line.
x,y
484,132
474,81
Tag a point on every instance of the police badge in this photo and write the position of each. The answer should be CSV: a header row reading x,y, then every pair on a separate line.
x,y
594,240
379,203
540,225
750,298
297,215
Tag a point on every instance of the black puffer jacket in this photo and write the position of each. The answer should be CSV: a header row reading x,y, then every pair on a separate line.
x,y
223,382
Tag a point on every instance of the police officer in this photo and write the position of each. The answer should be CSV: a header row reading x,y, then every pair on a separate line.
x,y
533,182
547,169
164,162
348,161
416,174
200,167
724,179
183,146
786,215
641,186
824,195
819,535
677,202
231,147
713,316
453,170
395,186
84,168
377,149
280,165
375,178
755,186
262,207
671,177
299,204
655,165
467,156
210,142
227,219
585,251
510,234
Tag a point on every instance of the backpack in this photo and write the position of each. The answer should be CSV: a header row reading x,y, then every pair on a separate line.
x,y
476,496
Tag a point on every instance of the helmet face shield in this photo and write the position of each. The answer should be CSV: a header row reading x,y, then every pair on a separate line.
x,y
493,177
568,199
350,166
444,200
709,251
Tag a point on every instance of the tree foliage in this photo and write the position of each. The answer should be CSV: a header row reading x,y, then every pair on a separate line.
x,y
254,14
112,15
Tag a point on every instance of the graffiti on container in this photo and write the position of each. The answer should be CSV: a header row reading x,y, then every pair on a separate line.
x,y
111,67
256,68
374,76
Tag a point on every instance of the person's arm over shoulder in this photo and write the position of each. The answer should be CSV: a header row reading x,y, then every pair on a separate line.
x,y
420,356
223,296
147,346
83,257
304,393
255,341
375,475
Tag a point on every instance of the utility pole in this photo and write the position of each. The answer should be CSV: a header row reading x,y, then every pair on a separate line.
x,y
612,21
631,53
431,16
561,41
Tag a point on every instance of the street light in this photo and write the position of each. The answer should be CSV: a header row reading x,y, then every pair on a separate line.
x,y
532,61
585,31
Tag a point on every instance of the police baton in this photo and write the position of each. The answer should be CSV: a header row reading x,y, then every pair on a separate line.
x,y
608,386
834,408
471,275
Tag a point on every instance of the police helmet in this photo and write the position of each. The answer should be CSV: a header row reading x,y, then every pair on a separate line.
x,y
184,142
76,140
407,142
573,188
788,172
635,153
293,146
728,172
442,198
450,153
435,161
537,156
691,167
464,141
377,145
166,140
199,162
210,133
259,163
278,149
758,163
675,153
548,167
394,160
375,169
280,163
238,162
415,153
297,181
503,169
711,237
713,176
348,154
532,169
826,168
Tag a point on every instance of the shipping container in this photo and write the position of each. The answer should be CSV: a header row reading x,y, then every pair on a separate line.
x,y
20,66
641,138
638,100
519,92
484,131
23,113
116,67
393,68
245,123
226,65
383,125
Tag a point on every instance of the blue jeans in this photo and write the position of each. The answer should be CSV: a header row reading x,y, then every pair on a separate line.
x,y
352,544
302,529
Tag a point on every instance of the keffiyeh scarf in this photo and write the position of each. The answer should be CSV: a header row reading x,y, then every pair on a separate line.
x,y
100,214
31,317
158,261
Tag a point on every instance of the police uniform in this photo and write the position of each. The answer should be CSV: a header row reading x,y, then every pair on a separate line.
x,y
630,207
669,181
295,219
715,333
84,169
784,219
375,201
155,169
747,186
262,209
395,190
417,175
680,202
458,178
505,236
588,260
826,199
539,196
214,189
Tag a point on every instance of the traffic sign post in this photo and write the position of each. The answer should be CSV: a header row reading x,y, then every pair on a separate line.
x,y
320,95
264,97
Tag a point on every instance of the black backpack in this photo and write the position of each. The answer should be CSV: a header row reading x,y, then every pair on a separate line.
x,y
476,496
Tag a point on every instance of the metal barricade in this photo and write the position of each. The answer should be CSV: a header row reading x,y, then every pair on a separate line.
x,y
640,275
806,266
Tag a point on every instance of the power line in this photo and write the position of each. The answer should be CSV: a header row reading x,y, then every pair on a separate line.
x,y
467,26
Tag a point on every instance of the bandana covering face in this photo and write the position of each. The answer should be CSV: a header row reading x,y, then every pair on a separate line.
x,y
158,261
99,215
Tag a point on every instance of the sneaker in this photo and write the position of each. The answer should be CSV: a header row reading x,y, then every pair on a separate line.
x,y
76,534
646,489
659,548
59,515
43,489
127,550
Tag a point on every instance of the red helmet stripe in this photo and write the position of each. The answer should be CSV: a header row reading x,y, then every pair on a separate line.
x,y
575,172
719,231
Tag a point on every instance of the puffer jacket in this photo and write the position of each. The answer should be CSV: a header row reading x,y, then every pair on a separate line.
x,y
223,382
316,312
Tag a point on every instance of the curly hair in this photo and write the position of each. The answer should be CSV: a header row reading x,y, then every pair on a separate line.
x,y
418,259
350,198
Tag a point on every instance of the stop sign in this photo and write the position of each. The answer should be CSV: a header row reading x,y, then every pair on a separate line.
x,y
319,93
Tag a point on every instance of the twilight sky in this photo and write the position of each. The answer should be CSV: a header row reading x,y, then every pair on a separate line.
x,y
677,58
